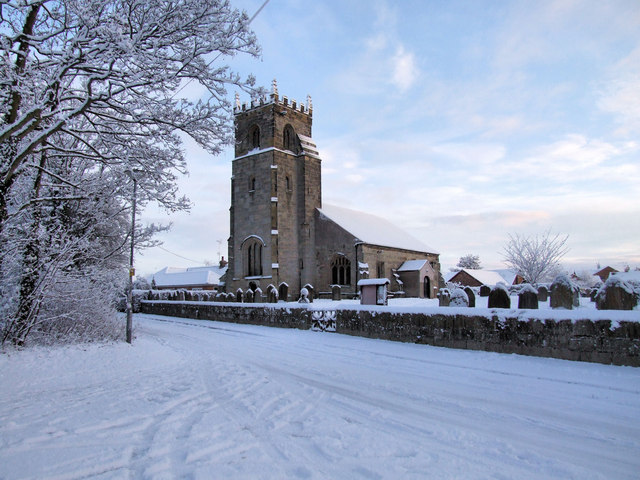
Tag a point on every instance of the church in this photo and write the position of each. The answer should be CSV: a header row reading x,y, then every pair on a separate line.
x,y
281,233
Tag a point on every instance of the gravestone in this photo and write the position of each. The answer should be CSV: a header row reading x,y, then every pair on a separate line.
x,y
444,297
471,296
239,295
563,292
543,294
248,296
231,297
616,294
499,297
458,298
528,298
257,295
283,291
272,294
304,296
311,291
485,290
335,293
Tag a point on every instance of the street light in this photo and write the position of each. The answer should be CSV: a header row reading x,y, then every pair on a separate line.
x,y
132,271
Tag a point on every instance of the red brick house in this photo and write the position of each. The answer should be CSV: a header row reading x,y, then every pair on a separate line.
x,y
605,272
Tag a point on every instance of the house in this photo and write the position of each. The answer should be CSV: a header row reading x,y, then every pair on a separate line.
x,y
281,233
510,277
192,278
604,273
477,278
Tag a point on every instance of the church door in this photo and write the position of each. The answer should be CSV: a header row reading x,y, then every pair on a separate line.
x,y
427,287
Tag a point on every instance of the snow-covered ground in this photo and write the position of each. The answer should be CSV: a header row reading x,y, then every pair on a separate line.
x,y
196,399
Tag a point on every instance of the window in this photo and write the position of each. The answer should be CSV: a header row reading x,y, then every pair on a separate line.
x,y
252,257
252,184
288,184
380,270
289,139
254,137
340,270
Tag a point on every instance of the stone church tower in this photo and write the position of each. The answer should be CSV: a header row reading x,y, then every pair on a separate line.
x,y
275,191
282,235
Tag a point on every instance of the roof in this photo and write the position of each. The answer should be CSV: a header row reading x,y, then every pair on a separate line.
x,y
509,276
605,270
308,145
412,265
486,277
373,230
176,276
373,281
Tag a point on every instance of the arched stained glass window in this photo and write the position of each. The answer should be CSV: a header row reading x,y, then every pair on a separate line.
x,y
252,257
340,270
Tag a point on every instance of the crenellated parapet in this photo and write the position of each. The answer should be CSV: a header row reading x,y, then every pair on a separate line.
x,y
273,98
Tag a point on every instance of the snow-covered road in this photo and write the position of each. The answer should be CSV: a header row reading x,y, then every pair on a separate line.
x,y
201,399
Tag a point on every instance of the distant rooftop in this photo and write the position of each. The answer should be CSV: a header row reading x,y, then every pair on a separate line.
x,y
183,277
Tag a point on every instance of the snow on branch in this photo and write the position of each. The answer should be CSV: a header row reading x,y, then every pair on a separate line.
x,y
535,257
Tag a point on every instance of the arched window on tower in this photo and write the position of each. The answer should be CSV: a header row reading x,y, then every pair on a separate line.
x,y
254,137
252,257
340,270
289,139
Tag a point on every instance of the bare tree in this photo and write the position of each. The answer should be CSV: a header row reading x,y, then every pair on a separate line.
x,y
535,257
470,261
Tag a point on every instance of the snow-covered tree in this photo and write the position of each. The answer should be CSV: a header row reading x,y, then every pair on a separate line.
x,y
470,261
91,94
535,257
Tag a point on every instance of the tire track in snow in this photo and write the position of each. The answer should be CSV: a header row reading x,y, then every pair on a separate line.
x,y
232,388
460,425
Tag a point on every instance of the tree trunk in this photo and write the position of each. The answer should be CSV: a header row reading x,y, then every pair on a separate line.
x,y
28,306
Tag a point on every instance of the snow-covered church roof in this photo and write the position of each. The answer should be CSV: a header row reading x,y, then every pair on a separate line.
x,y
184,277
412,265
373,230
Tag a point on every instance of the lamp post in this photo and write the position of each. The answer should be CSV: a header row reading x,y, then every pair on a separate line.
x,y
132,271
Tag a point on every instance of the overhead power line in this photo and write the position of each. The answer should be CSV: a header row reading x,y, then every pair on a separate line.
x,y
177,255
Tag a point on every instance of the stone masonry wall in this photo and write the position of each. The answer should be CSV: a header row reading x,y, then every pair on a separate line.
x,y
582,340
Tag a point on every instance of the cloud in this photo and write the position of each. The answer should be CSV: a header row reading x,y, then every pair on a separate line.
x,y
383,59
405,71
621,93
577,158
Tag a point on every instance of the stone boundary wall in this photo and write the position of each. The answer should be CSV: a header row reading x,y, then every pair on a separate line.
x,y
581,340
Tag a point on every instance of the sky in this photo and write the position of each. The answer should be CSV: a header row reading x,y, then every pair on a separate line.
x,y
462,122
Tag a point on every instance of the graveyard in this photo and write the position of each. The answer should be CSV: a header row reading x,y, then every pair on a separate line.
x,y
550,321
